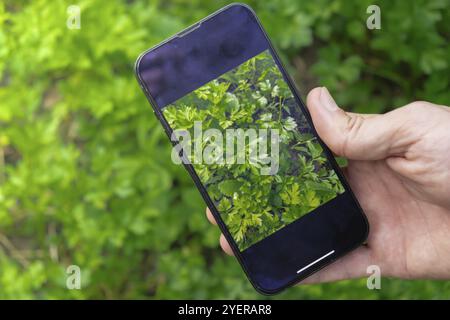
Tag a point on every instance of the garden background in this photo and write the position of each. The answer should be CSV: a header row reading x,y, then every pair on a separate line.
x,y
85,175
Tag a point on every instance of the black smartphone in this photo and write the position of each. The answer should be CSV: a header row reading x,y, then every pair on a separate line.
x,y
244,135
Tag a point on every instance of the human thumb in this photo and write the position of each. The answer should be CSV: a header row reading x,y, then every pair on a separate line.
x,y
355,136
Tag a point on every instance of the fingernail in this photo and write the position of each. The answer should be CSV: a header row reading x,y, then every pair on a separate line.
x,y
327,100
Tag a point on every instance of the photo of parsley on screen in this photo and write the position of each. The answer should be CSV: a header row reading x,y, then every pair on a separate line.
x,y
254,95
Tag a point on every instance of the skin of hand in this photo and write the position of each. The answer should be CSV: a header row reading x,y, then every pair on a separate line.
x,y
399,169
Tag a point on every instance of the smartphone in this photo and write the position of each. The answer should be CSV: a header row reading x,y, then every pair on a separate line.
x,y
239,127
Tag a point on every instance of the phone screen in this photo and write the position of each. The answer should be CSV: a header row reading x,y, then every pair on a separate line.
x,y
246,139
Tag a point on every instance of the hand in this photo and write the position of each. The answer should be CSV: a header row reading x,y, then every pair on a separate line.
x,y
399,169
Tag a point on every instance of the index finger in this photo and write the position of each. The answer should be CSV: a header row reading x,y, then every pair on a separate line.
x,y
210,216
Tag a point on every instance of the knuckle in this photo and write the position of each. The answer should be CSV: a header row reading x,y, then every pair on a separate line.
x,y
417,112
352,131
418,106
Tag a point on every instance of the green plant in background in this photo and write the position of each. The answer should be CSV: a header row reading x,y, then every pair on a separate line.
x,y
253,96
84,171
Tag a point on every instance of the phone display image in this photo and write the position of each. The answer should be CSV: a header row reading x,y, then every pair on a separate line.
x,y
253,105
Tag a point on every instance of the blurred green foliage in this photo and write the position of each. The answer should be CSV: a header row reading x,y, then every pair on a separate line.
x,y
85,176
